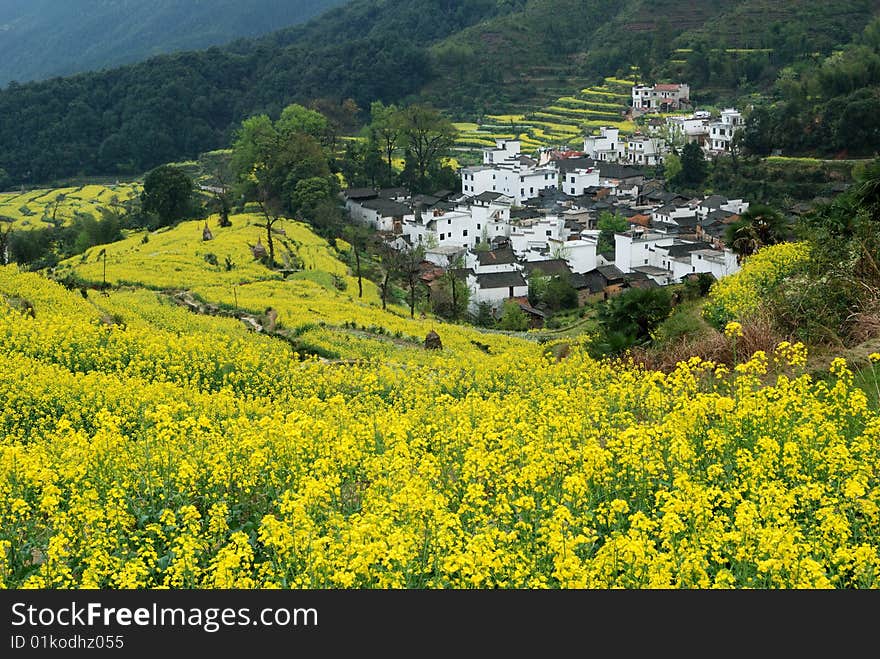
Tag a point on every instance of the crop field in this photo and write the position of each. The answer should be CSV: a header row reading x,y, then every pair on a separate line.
x,y
564,122
143,445
41,208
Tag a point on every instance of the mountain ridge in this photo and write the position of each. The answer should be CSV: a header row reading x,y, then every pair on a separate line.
x,y
470,58
44,38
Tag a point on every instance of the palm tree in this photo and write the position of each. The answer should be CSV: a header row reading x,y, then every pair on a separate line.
x,y
758,227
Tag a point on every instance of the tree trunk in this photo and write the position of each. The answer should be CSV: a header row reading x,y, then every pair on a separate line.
x,y
385,283
269,243
357,260
454,297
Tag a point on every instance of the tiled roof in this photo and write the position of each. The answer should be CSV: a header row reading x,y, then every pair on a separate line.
x,y
500,280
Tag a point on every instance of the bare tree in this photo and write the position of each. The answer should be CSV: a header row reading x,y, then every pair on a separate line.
x,y
410,267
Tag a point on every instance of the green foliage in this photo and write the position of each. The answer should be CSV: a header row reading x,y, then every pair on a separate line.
x,y
671,166
840,284
483,316
284,167
757,227
697,287
168,194
296,118
172,107
630,317
827,107
608,224
427,136
694,168
513,318
87,35
685,321
554,293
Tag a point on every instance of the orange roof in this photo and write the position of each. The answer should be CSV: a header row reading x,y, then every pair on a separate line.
x,y
641,220
667,88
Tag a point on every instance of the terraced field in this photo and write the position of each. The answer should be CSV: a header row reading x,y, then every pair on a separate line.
x,y
564,122
43,207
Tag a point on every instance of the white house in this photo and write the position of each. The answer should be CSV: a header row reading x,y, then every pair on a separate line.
x,y
580,254
719,202
444,255
505,151
577,181
669,215
721,132
506,171
535,234
644,150
665,97
492,261
686,129
378,213
605,146
666,259
495,288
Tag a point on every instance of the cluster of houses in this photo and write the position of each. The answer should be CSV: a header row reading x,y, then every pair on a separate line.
x,y
516,216
714,134
665,132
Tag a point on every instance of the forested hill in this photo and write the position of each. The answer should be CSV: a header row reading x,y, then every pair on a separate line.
x,y
44,38
467,56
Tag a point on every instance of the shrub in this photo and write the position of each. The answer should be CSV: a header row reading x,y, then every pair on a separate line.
x,y
742,295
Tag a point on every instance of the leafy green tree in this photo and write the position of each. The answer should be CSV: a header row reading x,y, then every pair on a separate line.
x,y
386,127
168,193
296,118
451,295
560,294
757,227
513,318
483,316
634,314
308,193
283,165
671,166
428,136
694,168
608,224
5,179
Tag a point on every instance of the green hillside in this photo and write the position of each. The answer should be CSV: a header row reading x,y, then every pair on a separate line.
x,y
87,35
473,59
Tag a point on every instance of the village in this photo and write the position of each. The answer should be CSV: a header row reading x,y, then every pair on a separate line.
x,y
516,215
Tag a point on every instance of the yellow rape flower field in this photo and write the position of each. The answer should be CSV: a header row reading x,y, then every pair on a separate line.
x,y
146,446
43,207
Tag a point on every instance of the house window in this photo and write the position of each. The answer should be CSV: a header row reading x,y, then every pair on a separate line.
x,y
522,192
442,236
531,190
464,233
448,221
646,261
478,227
477,240
549,232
